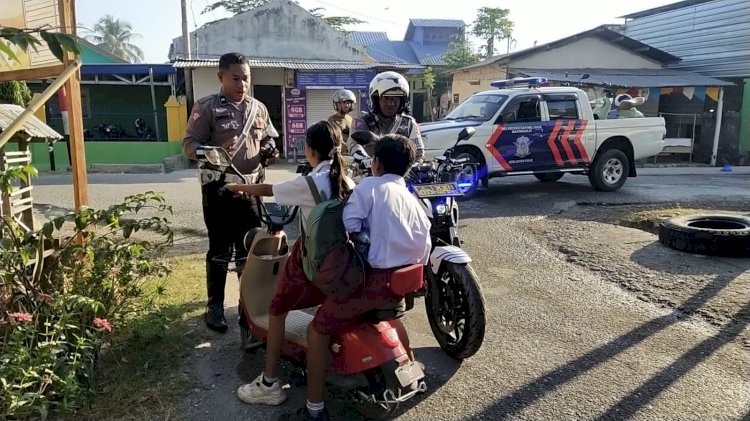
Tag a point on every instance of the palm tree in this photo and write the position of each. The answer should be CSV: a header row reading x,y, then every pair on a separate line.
x,y
114,36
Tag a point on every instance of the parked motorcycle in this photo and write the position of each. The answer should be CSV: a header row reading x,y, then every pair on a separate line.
x,y
369,365
454,300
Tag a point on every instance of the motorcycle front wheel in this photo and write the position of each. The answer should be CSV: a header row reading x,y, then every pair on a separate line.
x,y
455,310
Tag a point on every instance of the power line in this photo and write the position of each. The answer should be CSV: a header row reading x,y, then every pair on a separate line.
x,y
359,14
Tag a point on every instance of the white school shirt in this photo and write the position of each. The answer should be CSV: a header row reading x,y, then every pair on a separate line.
x,y
297,192
399,229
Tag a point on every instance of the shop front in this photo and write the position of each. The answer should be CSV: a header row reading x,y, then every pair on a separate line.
x,y
311,100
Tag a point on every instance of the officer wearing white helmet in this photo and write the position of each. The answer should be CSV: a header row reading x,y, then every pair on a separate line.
x,y
389,94
343,103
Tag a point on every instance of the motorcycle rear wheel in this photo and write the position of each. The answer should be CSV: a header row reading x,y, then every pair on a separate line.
x,y
458,318
379,380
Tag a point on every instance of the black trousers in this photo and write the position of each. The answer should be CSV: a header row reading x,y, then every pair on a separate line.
x,y
227,220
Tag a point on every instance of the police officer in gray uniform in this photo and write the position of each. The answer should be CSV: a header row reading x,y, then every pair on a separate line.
x,y
218,120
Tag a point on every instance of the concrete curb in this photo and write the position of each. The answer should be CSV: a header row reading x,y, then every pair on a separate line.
x,y
126,168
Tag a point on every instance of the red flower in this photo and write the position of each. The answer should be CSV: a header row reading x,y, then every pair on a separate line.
x,y
45,297
22,317
103,323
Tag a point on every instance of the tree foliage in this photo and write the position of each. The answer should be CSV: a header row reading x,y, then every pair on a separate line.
x,y
336,22
114,36
15,92
491,24
235,7
461,53
25,39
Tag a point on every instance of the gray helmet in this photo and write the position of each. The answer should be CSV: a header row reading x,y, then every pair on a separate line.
x,y
343,95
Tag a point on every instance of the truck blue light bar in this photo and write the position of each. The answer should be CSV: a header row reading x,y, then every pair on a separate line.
x,y
519,81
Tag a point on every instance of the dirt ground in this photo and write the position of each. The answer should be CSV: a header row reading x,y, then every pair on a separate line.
x,y
621,242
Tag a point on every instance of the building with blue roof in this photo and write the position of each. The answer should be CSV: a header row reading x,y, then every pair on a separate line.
x,y
424,45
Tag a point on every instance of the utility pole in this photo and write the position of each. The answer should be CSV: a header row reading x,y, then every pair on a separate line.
x,y
186,53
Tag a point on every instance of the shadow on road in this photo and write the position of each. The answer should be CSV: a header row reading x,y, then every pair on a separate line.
x,y
526,396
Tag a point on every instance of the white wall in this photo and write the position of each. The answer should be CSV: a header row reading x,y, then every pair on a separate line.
x,y
591,52
278,29
206,82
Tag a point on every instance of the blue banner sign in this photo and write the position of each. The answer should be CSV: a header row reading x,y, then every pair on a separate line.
x,y
332,79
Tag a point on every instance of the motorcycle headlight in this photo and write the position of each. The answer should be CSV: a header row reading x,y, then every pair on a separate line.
x,y
218,157
441,209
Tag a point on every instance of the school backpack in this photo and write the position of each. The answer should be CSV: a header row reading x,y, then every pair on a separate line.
x,y
329,259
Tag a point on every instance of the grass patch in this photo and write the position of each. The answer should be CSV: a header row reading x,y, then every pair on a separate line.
x,y
140,375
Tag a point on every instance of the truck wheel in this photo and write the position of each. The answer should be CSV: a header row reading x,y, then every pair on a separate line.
x,y
546,177
713,235
609,170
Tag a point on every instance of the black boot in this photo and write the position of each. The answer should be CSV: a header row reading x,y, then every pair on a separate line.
x,y
215,318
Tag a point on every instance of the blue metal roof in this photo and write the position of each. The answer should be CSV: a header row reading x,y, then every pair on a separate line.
x,y
712,38
367,38
430,55
126,69
404,50
438,23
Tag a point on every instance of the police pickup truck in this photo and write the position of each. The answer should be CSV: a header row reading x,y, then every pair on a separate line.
x,y
524,129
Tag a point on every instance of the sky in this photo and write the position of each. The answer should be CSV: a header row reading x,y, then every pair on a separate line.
x,y
541,21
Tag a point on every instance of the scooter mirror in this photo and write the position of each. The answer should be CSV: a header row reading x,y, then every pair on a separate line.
x,y
363,137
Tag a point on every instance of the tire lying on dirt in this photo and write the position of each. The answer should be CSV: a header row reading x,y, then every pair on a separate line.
x,y
713,235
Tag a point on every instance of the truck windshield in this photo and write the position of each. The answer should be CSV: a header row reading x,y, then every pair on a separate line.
x,y
478,107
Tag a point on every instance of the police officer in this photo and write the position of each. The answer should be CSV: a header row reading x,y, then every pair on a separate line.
x,y
388,95
343,103
218,120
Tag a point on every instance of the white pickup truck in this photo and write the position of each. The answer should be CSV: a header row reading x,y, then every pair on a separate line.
x,y
544,131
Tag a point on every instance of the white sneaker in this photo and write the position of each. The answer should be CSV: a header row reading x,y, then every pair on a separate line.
x,y
256,393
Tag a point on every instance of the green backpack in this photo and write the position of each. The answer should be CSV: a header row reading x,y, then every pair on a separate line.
x,y
328,257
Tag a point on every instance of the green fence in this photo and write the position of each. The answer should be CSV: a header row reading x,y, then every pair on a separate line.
x,y
101,152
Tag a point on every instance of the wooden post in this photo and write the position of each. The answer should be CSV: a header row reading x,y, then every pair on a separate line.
x,y
75,115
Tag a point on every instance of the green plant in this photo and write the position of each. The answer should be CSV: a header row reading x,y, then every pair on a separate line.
x,y
61,286
15,92
24,38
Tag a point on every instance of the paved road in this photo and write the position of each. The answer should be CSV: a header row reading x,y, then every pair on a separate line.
x,y
555,348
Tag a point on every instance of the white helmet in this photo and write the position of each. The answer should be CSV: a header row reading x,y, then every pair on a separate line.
x,y
343,95
388,84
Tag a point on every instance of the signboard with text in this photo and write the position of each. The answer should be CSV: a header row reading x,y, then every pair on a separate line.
x,y
296,121
333,79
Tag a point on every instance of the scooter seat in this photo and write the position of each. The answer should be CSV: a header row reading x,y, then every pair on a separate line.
x,y
385,314
407,279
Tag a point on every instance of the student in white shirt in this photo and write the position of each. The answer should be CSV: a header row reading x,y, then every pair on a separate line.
x,y
323,152
399,233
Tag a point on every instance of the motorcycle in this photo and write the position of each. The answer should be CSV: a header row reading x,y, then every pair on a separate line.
x,y
454,299
369,365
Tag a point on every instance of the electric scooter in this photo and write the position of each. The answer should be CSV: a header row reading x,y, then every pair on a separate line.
x,y
369,365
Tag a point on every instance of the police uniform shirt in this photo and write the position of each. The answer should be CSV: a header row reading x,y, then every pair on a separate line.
x,y
344,123
214,120
408,128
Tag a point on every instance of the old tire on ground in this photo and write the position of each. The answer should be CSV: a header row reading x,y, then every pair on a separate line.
x,y
546,177
609,170
713,235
